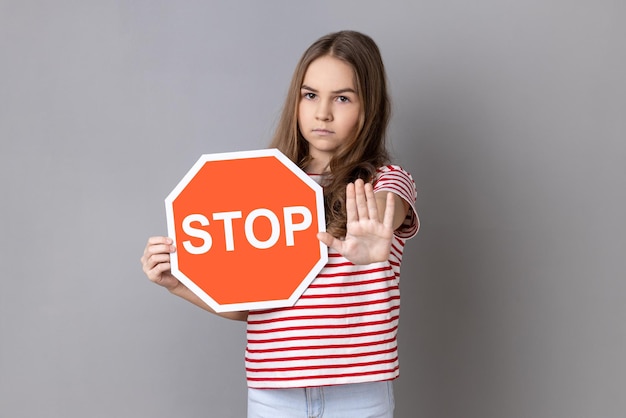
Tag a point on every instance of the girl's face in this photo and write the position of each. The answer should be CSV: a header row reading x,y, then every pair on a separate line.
x,y
329,108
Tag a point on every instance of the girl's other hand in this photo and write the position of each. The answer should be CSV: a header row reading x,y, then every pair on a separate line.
x,y
156,262
368,240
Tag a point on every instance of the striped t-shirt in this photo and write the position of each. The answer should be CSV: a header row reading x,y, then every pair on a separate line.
x,y
343,328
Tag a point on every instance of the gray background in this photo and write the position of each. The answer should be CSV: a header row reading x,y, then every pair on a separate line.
x,y
510,115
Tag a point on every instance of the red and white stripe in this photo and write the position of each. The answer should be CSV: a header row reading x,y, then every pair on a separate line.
x,y
343,328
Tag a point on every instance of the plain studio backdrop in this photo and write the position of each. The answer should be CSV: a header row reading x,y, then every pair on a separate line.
x,y
511,116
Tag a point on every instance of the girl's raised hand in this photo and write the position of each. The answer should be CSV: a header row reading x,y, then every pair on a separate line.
x,y
156,262
368,240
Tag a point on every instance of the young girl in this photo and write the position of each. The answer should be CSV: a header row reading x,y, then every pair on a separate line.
x,y
334,353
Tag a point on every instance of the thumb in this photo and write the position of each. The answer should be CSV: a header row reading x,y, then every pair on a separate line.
x,y
329,240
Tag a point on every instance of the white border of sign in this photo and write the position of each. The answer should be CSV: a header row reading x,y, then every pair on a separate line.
x,y
319,197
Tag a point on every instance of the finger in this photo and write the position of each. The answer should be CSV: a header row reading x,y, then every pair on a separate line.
x,y
160,240
156,274
389,210
162,249
330,241
150,252
157,244
158,259
149,263
361,202
372,204
158,249
351,211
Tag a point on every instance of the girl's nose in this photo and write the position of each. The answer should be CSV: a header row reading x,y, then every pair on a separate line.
x,y
323,112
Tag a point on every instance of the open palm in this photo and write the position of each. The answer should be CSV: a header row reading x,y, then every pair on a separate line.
x,y
367,240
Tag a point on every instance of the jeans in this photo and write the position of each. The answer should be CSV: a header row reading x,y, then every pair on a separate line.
x,y
359,400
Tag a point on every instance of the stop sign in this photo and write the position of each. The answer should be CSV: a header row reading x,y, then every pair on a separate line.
x,y
245,226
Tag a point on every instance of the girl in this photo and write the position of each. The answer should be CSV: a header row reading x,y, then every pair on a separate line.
x,y
334,353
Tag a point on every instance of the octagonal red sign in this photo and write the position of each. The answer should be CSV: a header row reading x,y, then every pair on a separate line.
x,y
245,227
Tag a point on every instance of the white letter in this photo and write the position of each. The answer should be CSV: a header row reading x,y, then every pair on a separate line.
x,y
196,233
262,245
228,217
290,227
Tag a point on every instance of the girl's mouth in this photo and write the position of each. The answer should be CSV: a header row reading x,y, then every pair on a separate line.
x,y
323,131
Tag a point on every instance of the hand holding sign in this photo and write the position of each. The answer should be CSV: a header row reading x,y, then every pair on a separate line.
x,y
156,262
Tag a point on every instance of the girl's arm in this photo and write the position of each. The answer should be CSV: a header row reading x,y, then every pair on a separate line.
x,y
371,221
156,265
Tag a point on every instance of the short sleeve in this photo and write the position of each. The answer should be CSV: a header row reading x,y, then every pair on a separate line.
x,y
395,179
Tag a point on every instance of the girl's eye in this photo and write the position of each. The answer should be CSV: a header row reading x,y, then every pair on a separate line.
x,y
343,99
309,95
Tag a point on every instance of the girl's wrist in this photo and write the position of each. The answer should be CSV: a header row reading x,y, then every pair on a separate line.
x,y
176,289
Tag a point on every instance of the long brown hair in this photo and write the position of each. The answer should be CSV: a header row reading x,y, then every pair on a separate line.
x,y
366,151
